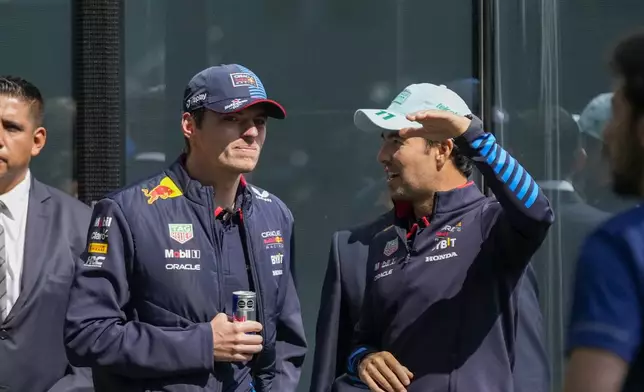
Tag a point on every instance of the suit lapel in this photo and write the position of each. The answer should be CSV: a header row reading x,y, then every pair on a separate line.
x,y
35,251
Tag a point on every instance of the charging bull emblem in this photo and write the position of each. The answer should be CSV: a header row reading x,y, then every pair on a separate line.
x,y
165,190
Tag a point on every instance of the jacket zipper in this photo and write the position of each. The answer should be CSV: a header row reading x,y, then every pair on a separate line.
x,y
218,259
256,284
218,253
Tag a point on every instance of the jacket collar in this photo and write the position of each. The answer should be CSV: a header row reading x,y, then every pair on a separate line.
x,y
202,194
446,202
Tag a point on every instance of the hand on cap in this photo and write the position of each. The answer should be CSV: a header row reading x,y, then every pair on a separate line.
x,y
438,125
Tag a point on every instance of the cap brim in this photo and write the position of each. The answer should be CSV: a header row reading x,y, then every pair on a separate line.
x,y
273,108
374,120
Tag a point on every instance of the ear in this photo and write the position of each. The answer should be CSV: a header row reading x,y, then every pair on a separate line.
x,y
39,140
188,125
443,152
579,163
639,129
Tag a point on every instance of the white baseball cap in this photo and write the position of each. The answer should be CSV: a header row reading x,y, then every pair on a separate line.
x,y
595,116
414,98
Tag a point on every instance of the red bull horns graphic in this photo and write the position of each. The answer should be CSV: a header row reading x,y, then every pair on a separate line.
x,y
166,189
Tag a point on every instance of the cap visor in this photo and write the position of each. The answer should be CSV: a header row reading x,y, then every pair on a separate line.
x,y
273,109
369,121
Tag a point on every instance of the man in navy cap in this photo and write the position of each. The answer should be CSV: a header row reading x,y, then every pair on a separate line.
x,y
152,307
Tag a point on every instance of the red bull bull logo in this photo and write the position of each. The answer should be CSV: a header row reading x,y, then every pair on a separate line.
x,y
165,190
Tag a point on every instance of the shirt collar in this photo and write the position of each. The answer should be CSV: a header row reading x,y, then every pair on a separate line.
x,y
551,185
15,199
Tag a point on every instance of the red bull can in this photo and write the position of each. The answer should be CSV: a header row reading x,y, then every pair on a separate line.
x,y
244,306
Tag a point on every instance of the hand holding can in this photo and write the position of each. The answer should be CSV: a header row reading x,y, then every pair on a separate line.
x,y
244,306
235,341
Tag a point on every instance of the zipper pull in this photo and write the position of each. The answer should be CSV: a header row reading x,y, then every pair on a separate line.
x,y
407,259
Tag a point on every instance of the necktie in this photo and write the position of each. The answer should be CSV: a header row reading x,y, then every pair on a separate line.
x,y
3,270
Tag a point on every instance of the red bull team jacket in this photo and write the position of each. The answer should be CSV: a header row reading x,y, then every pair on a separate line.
x,y
441,291
151,281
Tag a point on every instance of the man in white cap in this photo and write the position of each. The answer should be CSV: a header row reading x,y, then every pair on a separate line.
x,y
595,180
440,306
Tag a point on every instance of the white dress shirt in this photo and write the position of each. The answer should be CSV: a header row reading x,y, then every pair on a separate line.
x,y
14,221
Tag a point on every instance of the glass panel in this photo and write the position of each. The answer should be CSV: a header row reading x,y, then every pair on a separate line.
x,y
47,64
323,59
551,66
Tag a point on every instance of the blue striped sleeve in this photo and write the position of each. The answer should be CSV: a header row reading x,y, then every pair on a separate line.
x,y
355,358
516,190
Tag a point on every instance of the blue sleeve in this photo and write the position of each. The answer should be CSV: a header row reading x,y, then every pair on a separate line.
x,y
606,312
525,207
97,331
290,345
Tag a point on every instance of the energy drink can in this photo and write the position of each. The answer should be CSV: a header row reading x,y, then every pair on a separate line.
x,y
244,306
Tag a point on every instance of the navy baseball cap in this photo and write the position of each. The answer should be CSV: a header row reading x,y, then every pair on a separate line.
x,y
228,88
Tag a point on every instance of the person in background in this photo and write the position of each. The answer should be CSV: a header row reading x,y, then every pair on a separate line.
x,y
593,181
42,232
152,303
547,143
606,333
440,306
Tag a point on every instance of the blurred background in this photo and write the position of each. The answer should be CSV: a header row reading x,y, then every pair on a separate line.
x,y
535,70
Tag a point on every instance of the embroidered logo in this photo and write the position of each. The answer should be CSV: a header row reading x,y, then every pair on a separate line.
x,y
391,247
181,233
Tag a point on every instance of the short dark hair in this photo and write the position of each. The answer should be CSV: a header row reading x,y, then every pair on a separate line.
x,y
460,160
628,63
17,87
198,115
537,132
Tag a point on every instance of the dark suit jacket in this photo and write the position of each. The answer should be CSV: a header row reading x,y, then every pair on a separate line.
x,y
555,264
32,352
342,296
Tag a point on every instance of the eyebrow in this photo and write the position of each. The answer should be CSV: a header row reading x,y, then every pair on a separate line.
x,y
12,124
390,135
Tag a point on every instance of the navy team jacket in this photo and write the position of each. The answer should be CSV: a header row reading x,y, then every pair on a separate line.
x,y
150,282
441,292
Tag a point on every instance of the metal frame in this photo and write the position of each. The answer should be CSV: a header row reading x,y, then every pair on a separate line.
x,y
98,82
484,47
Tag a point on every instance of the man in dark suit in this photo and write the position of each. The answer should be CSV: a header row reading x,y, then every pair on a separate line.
x,y
42,232
547,142
342,296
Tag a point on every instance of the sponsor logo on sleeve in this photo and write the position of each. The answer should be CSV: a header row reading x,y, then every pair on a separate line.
x,y
96,247
103,221
99,235
94,261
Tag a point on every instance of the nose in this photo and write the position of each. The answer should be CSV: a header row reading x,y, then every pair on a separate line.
x,y
250,131
384,156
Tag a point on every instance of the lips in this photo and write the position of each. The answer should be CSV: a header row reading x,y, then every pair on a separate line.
x,y
390,175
